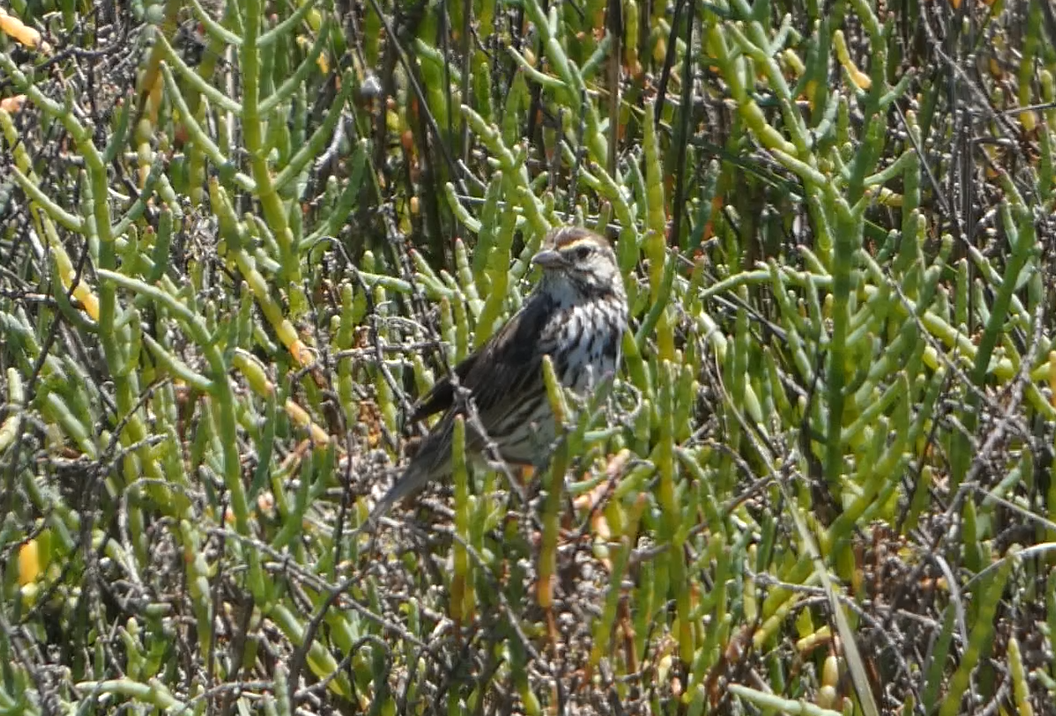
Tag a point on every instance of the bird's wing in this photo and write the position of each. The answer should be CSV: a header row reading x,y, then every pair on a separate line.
x,y
510,361
442,395
498,376
498,372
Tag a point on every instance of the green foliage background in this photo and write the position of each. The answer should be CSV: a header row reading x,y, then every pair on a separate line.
x,y
238,239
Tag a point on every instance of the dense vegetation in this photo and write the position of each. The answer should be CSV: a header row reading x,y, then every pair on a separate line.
x,y
237,240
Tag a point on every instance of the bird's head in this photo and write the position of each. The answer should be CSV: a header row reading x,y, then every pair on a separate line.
x,y
580,257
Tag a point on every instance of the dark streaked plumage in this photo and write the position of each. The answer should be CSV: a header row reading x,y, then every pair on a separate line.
x,y
576,314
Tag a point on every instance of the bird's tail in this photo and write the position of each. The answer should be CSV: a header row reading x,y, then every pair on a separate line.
x,y
432,460
413,479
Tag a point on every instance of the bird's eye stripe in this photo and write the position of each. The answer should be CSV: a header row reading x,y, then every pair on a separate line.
x,y
574,241
578,249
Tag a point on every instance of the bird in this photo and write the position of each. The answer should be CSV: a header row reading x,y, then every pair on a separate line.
x,y
576,314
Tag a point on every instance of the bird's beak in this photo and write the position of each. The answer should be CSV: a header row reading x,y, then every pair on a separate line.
x,y
549,259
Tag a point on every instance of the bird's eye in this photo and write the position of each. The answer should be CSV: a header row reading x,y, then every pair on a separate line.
x,y
582,253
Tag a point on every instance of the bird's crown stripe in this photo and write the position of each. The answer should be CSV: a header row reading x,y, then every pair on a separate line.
x,y
567,242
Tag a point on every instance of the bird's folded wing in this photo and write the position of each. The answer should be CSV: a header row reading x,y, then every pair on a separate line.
x,y
499,371
442,395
